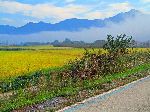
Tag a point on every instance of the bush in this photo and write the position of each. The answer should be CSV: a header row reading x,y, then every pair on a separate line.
x,y
118,45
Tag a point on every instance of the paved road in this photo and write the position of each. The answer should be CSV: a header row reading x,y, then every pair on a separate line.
x,y
134,97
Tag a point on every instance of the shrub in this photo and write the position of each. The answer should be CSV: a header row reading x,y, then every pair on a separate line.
x,y
118,45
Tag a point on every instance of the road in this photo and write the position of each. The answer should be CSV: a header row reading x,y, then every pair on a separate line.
x,y
134,97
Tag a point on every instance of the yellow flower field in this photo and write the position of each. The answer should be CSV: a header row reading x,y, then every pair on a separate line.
x,y
14,63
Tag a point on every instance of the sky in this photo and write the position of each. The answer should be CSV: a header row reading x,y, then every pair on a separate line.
x,y
20,12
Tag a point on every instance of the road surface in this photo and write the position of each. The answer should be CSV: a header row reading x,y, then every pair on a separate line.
x,y
134,97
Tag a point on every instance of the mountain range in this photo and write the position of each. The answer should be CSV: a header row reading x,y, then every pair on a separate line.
x,y
70,25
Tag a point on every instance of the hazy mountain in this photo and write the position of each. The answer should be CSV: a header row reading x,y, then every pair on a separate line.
x,y
73,24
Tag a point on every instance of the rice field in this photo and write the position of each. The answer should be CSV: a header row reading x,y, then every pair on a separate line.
x,y
15,63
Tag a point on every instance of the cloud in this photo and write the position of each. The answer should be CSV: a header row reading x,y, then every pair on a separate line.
x,y
58,13
98,15
109,11
120,7
7,20
13,7
41,11
69,1
146,1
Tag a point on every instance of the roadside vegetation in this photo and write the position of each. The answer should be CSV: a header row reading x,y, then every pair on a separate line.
x,y
95,70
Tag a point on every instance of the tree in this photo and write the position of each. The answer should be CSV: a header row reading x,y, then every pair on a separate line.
x,y
119,44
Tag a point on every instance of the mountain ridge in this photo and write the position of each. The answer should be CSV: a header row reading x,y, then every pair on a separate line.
x,y
71,25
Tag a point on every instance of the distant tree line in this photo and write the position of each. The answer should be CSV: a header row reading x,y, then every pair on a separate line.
x,y
79,44
145,44
69,43
95,44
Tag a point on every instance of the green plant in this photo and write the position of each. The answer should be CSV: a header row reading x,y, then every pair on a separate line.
x,y
118,44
